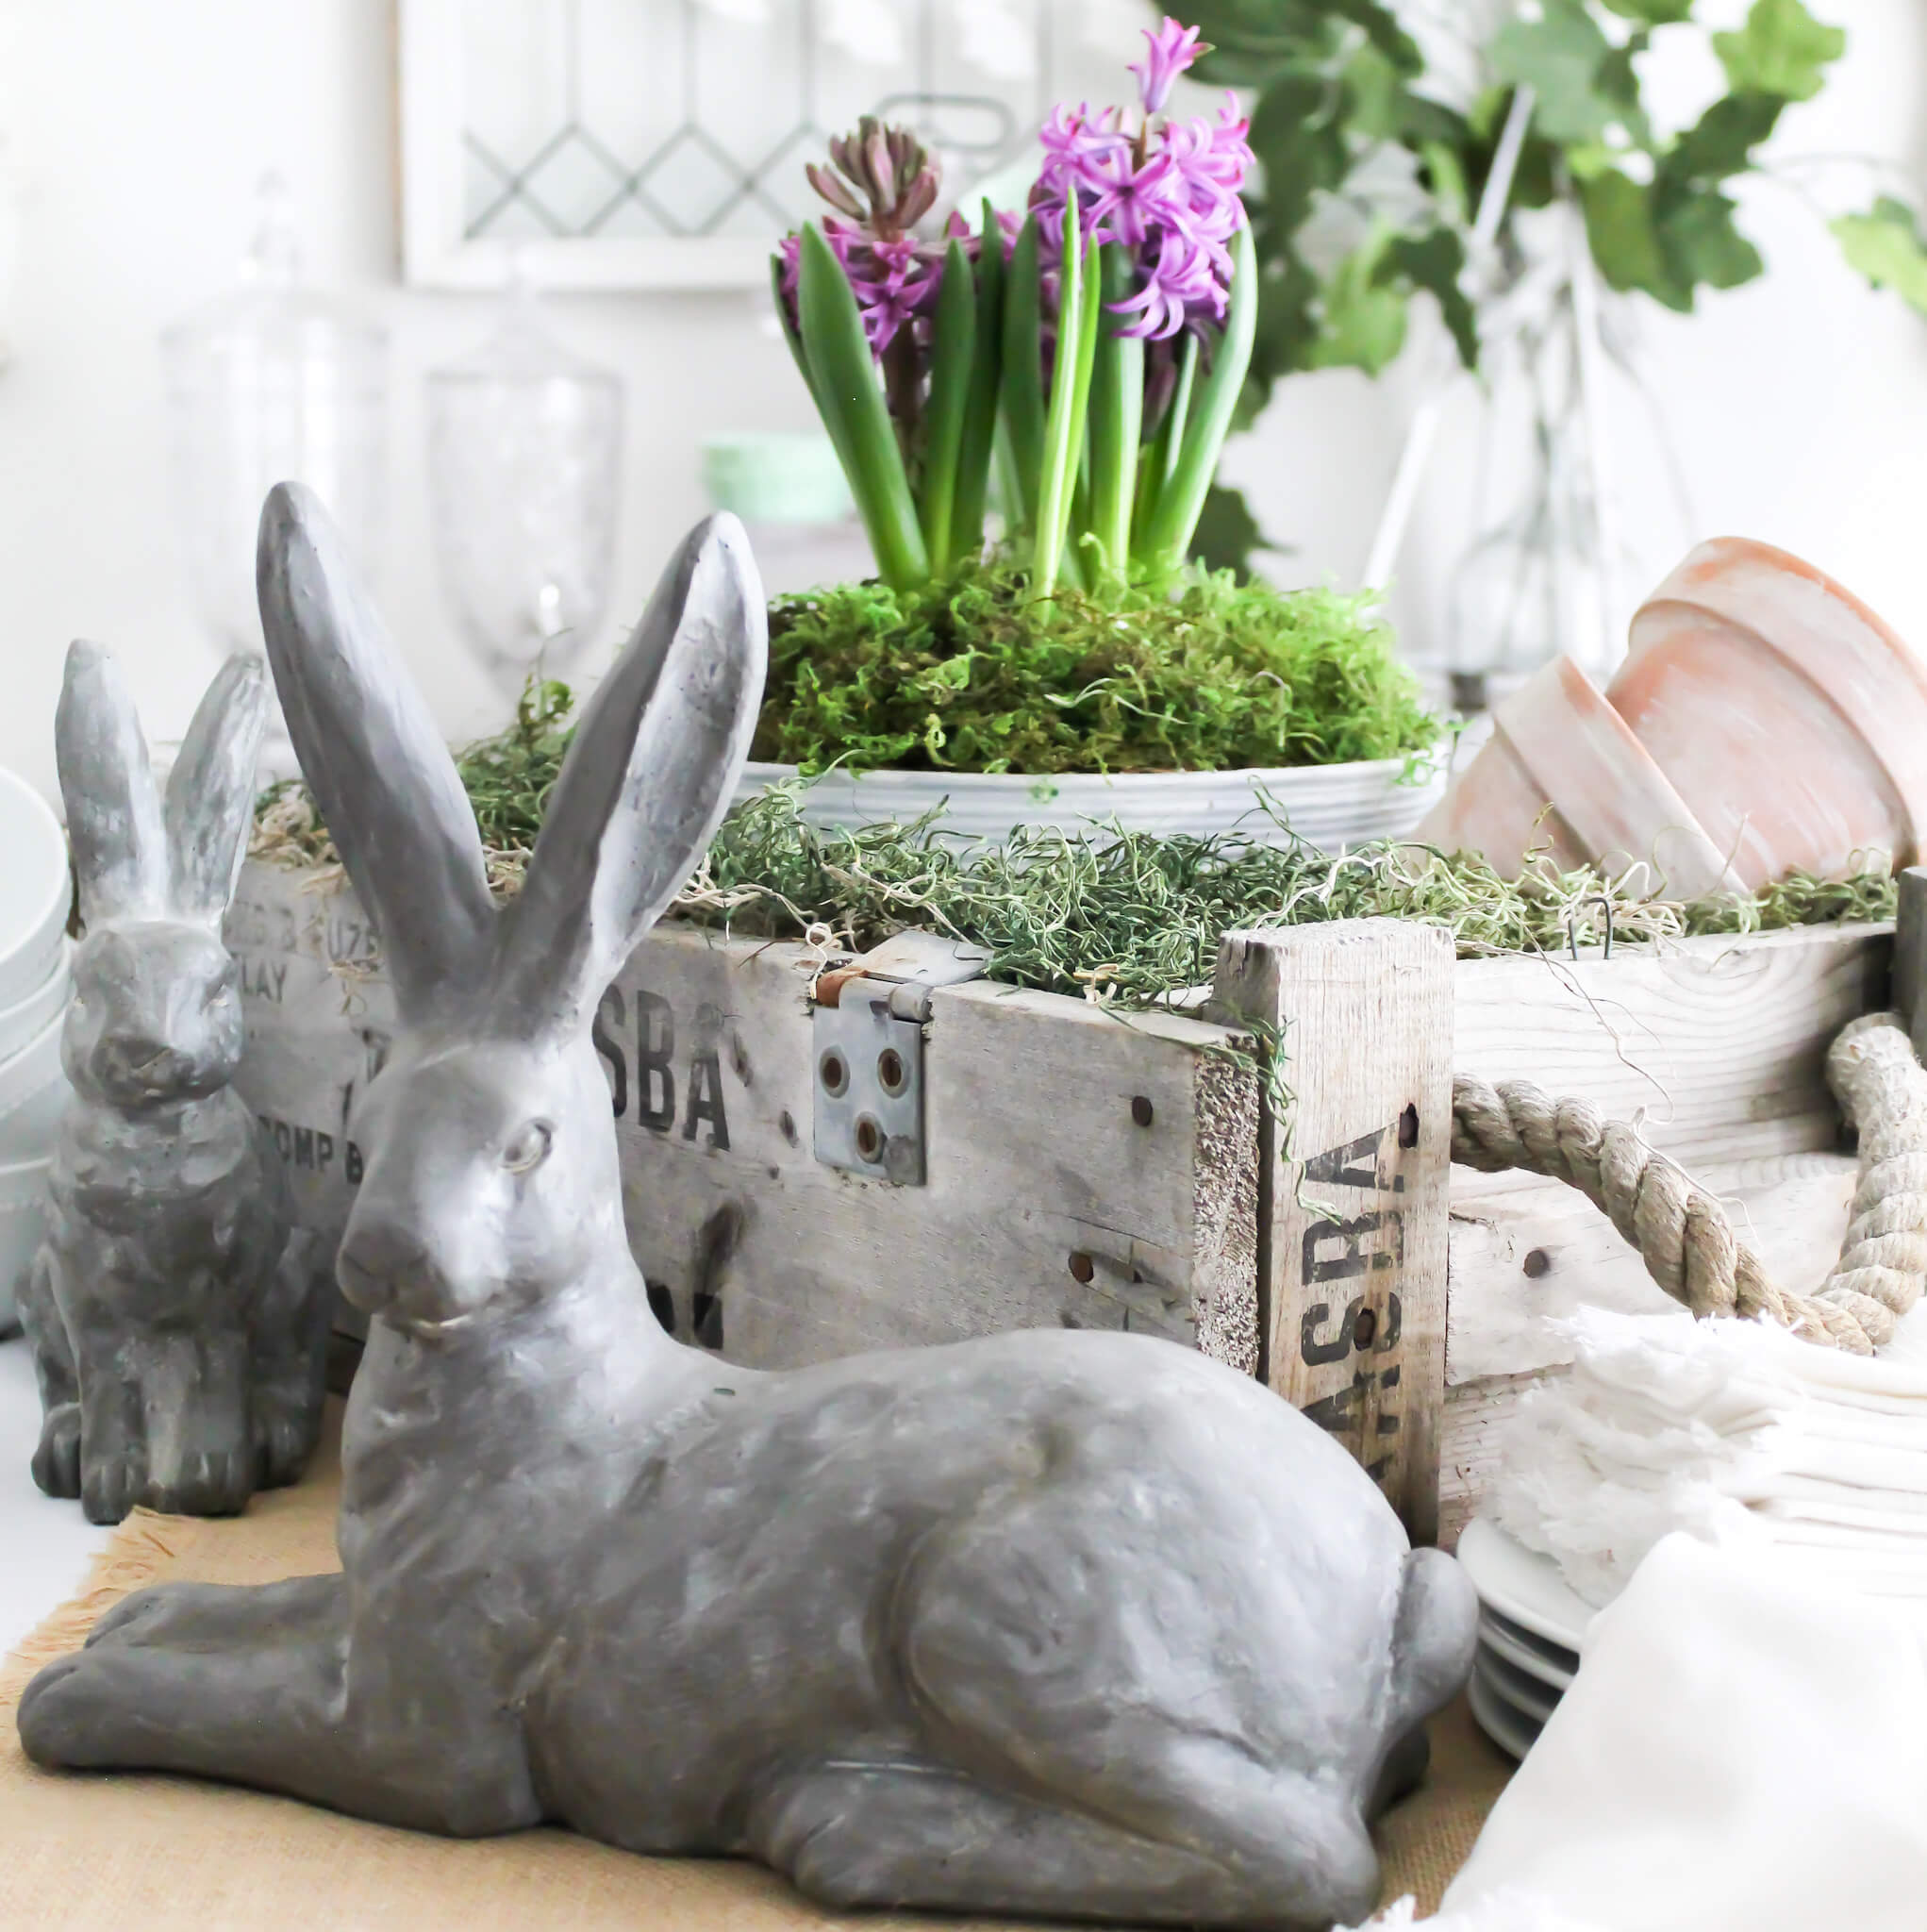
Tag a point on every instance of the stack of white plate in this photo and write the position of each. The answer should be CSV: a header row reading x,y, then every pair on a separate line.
x,y
1530,1626
34,895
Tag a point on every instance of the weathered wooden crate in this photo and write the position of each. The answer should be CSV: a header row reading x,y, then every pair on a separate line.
x,y
1093,1170
1079,1167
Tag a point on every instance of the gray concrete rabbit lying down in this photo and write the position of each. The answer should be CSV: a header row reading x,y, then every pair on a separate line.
x,y
1055,1624
178,1333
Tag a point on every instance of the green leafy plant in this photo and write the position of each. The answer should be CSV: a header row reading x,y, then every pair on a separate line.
x,y
1349,121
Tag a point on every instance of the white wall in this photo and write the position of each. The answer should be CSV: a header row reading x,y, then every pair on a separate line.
x,y
140,127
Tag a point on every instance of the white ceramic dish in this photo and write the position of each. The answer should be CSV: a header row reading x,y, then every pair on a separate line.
x,y
1530,1653
1331,805
1522,1585
1513,1732
27,1017
1536,1700
22,1222
25,1075
35,889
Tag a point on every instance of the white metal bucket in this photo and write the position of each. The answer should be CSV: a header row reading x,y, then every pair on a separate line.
x,y
1330,805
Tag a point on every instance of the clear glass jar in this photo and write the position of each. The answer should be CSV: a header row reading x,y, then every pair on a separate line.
x,y
275,382
525,478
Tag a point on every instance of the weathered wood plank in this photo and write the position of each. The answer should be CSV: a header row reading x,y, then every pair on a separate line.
x,y
1352,1183
1717,1046
1521,1260
1048,1201
1476,1417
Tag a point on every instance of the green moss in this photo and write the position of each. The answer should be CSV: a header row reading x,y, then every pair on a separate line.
x,y
977,675
1122,917
1128,917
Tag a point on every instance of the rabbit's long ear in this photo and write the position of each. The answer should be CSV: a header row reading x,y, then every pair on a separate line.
x,y
210,791
648,778
114,810
369,749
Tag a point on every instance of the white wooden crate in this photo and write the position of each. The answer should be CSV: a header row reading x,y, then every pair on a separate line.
x,y
1717,1048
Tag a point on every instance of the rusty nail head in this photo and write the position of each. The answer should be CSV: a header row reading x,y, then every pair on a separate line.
x,y
1538,1262
870,1138
834,1073
889,1072
1364,1328
1140,1110
1082,1268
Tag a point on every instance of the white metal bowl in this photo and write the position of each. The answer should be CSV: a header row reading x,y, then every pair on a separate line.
x,y
1330,805
35,889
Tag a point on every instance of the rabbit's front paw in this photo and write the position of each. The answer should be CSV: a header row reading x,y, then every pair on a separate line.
x,y
112,1485
56,1462
284,1432
213,1483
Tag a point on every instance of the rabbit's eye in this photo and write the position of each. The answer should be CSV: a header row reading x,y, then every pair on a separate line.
x,y
529,1147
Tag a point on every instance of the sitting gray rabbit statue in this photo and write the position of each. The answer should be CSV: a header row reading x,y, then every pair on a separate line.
x,y
180,1346
1063,1624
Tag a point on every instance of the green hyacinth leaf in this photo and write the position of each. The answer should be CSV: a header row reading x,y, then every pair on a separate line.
x,y
851,402
1117,412
1182,500
953,364
976,454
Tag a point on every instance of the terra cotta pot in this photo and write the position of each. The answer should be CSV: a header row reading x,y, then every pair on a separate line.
x,y
1788,718
1562,773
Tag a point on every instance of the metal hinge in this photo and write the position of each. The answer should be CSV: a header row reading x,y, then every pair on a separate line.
x,y
869,1039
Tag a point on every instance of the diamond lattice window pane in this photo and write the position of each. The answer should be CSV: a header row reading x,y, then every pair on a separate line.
x,y
687,117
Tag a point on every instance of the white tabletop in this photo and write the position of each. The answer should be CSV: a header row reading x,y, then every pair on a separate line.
x,y
45,1546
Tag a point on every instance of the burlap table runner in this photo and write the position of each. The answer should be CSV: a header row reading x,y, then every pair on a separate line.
x,y
151,1853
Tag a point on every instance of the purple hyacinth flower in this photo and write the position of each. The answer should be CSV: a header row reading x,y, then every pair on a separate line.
x,y
1135,202
1172,49
1180,284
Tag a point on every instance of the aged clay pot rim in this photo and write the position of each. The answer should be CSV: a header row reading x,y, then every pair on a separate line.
x,y
1693,588
1637,779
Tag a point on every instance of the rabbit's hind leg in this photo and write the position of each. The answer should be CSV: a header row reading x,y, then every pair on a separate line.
x,y
1115,1688
56,1460
203,1616
896,1835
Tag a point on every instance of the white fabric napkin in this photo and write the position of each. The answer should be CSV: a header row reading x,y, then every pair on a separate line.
x,y
1737,1751
1735,1432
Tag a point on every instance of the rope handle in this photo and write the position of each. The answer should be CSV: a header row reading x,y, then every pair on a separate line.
x,y
1683,1235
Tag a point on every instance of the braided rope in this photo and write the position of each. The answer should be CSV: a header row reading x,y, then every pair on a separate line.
x,y
1683,1235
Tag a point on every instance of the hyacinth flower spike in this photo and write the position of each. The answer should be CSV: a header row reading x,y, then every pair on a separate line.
x,y
1095,351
